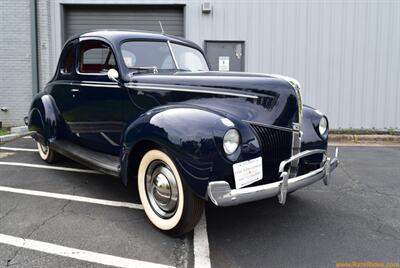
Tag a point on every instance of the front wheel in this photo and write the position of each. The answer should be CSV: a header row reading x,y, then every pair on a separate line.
x,y
47,154
167,201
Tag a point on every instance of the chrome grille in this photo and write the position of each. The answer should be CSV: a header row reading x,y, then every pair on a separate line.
x,y
276,146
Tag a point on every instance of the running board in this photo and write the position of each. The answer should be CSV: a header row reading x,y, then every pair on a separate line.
x,y
105,163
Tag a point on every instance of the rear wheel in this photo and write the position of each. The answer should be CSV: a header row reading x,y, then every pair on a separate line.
x,y
168,202
47,154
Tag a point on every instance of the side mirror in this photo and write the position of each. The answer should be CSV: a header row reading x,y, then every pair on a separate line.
x,y
113,75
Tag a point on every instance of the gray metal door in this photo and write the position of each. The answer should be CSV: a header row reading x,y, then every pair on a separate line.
x,y
81,18
225,56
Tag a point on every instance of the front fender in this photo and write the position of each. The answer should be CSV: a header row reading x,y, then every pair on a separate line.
x,y
193,138
45,118
311,139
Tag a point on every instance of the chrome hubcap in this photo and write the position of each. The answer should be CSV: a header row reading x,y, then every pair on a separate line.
x,y
161,189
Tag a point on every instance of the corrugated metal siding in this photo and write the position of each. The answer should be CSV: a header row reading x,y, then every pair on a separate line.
x,y
81,18
344,53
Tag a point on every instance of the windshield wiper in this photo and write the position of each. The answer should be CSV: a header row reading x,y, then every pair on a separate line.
x,y
150,68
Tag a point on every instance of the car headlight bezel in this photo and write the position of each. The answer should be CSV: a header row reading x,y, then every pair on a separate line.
x,y
231,141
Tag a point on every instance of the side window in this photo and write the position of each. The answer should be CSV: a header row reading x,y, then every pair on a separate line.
x,y
68,61
95,57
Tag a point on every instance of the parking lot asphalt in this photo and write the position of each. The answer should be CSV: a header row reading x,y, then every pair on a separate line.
x,y
356,218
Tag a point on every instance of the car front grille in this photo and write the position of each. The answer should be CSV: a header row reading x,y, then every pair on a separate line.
x,y
276,146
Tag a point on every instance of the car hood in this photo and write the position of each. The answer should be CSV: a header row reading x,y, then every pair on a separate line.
x,y
259,98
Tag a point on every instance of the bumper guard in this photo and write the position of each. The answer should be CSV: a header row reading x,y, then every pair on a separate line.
x,y
222,195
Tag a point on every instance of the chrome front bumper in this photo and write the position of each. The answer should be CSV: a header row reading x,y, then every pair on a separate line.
x,y
221,194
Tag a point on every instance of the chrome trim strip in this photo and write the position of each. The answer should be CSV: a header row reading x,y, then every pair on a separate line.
x,y
296,86
100,82
95,85
95,127
268,125
173,54
185,89
141,86
296,148
91,74
299,103
221,194
108,139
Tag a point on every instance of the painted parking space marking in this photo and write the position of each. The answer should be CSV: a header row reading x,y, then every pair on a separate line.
x,y
74,253
71,197
13,149
49,167
200,237
200,244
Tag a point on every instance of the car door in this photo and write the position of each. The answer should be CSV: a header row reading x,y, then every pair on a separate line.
x,y
60,88
96,119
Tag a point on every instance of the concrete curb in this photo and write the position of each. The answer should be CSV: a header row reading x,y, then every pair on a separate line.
x,y
11,137
367,139
19,130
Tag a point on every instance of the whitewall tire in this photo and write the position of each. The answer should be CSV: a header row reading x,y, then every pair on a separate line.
x,y
167,201
47,154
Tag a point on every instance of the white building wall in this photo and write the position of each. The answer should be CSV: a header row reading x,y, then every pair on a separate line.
x,y
346,54
15,61
46,68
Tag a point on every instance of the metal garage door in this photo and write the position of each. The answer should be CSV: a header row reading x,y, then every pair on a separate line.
x,y
81,18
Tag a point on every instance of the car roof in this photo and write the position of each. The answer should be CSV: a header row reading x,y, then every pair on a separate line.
x,y
117,36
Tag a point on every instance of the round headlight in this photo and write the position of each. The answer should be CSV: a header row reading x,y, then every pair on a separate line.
x,y
323,126
231,141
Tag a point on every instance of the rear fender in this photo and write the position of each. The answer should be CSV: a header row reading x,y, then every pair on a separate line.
x,y
45,119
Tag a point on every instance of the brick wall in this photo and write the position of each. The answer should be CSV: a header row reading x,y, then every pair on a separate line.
x,y
15,59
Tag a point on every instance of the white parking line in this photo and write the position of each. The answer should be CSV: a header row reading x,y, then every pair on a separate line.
x,y
12,149
74,253
200,244
200,240
71,197
49,167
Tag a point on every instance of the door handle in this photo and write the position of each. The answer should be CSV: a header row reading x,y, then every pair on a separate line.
x,y
74,91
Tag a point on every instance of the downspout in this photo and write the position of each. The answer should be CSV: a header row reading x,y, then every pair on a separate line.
x,y
34,48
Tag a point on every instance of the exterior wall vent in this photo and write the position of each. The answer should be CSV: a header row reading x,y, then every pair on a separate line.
x,y
206,7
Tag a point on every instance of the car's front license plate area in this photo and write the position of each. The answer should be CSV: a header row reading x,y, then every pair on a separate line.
x,y
247,172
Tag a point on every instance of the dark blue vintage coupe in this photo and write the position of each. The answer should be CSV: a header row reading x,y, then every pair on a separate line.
x,y
146,108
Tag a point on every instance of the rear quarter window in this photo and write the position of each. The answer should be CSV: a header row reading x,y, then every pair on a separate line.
x,y
68,60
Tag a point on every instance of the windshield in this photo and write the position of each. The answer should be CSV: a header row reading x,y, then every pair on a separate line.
x,y
189,58
139,54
